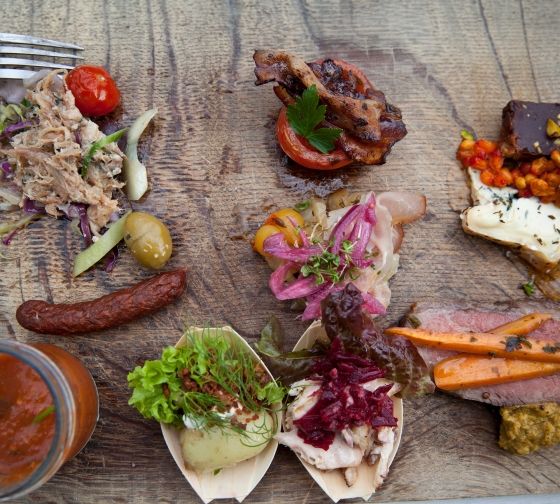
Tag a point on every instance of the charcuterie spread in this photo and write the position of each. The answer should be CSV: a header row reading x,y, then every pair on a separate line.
x,y
338,398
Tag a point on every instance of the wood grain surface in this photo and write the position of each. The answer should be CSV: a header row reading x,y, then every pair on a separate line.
x,y
215,167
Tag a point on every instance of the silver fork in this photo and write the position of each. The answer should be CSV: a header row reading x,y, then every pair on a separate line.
x,y
21,68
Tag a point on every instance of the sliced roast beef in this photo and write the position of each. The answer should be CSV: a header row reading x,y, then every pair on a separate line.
x,y
464,317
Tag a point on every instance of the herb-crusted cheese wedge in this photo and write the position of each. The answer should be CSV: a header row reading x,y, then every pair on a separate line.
x,y
525,223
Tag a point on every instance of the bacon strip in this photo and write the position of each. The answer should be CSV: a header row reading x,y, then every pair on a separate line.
x,y
371,125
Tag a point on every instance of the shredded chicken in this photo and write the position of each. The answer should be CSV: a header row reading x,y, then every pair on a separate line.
x,y
350,446
49,155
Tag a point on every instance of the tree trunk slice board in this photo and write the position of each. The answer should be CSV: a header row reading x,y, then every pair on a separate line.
x,y
215,168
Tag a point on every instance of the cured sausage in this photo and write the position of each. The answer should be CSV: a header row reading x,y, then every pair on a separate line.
x,y
107,311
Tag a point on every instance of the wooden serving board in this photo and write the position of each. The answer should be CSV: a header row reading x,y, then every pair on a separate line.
x,y
215,168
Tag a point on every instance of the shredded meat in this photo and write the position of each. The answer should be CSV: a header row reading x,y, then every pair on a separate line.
x,y
371,125
48,156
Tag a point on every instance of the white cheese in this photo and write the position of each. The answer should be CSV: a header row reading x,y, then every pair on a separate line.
x,y
499,215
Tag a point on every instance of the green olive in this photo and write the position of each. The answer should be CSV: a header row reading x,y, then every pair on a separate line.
x,y
148,239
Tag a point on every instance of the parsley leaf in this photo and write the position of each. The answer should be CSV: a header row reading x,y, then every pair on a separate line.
x,y
306,114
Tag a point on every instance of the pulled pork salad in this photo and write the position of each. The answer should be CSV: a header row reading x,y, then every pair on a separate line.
x,y
55,161
48,141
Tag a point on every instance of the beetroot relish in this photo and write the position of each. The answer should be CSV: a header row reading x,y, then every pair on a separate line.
x,y
343,402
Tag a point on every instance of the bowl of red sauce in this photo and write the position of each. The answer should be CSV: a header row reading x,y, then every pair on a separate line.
x,y
48,410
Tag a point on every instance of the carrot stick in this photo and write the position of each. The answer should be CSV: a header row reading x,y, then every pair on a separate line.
x,y
494,345
523,325
468,371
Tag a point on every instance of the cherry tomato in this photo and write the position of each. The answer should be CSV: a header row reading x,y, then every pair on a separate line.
x,y
352,71
299,150
261,235
288,221
94,89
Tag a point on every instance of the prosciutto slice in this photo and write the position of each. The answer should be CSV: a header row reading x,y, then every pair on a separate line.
x,y
371,125
464,317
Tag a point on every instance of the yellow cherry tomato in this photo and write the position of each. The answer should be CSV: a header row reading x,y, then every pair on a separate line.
x,y
261,235
289,222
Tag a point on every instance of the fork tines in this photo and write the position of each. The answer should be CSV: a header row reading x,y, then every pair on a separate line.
x,y
22,68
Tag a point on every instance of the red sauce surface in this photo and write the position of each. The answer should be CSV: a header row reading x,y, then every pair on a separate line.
x,y
24,444
343,402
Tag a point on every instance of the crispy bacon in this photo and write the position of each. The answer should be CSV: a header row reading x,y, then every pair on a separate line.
x,y
371,125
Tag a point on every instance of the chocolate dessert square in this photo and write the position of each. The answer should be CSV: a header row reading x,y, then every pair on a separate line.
x,y
524,128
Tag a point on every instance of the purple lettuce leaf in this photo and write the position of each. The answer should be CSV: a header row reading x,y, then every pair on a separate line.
x,y
344,317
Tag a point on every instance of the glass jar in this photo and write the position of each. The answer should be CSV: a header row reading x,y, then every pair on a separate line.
x,y
76,408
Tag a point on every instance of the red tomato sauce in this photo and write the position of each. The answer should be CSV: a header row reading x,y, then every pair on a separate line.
x,y
25,439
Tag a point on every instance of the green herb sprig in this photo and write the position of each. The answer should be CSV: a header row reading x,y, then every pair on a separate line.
x,y
467,135
327,266
95,146
528,288
306,114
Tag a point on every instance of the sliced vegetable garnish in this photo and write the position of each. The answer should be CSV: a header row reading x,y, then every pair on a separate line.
x,y
95,146
95,252
44,413
471,371
8,227
306,114
134,171
10,196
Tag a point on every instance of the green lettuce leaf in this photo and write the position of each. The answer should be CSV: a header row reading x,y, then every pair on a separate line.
x,y
148,381
213,362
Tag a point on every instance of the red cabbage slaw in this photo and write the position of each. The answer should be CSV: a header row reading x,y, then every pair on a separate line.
x,y
345,250
342,400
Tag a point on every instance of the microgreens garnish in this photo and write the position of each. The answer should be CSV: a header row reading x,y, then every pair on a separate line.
x,y
302,205
329,267
528,288
306,114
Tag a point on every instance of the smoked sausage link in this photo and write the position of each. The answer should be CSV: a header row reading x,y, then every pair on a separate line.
x,y
108,311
